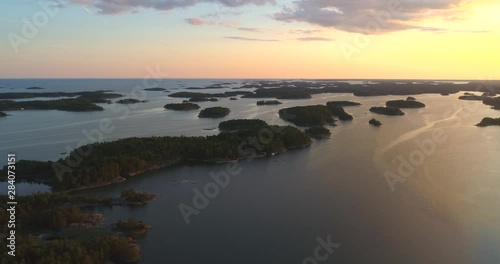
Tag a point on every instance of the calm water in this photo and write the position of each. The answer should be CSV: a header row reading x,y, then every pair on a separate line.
x,y
444,209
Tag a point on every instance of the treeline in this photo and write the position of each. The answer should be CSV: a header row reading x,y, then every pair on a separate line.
x,y
105,162
58,217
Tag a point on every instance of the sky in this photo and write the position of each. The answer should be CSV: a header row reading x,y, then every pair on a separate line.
x,y
332,39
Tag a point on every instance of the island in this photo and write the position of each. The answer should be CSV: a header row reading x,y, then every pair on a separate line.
x,y
182,106
342,103
269,102
242,124
117,160
214,112
130,101
56,229
318,132
312,115
136,198
374,122
157,89
494,102
411,98
339,112
2,114
83,101
405,104
391,111
71,105
131,228
233,98
488,121
472,97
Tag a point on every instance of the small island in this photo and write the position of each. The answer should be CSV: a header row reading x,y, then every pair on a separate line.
x,y
132,197
318,132
242,124
130,101
157,89
472,97
233,98
488,121
339,112
131,228
2,114
214,112
342,103
391,111
269,102
182,107
311,115
410,98
405,103
374,122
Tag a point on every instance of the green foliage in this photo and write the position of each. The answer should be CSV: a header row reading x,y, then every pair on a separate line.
x,y
392,111
239,124
339,112
132,196
130,101
342,103
313,115
405,103
269,102
318,132
488,121
182,106
374,122
214,112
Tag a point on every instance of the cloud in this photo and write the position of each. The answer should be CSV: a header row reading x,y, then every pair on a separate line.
x,y
196,21
314,39
368,17
305,31
249,39
123,6
248,29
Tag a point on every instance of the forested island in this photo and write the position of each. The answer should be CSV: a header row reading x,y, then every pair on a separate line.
x,y
157,89
269,102
311,115
182,106
214,112
242,124
488,121
412,103
391,111
318,132
52,228
111,161
494,102
339,112
130,101
202,99
2,114
374,122
84,101
342,103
